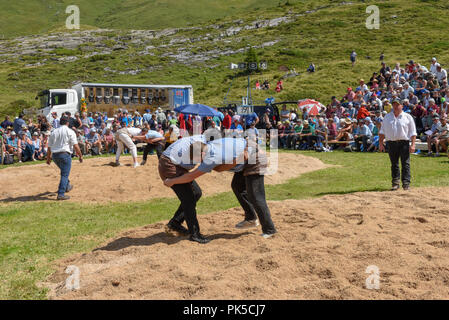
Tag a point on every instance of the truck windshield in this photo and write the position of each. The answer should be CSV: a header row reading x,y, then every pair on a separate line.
x,y
44,100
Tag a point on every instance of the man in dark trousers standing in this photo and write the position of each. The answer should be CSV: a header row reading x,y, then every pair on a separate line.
x,y
399,131
61,143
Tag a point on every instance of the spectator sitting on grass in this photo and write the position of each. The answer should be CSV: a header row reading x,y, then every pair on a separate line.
x,y
311,68
306,135
375,144
109,141
362,136
12,145
93,142
331,129
27,147
81,141
38,149
345,133
440,134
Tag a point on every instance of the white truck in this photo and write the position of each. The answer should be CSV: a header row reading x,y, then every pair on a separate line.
x,y
107,97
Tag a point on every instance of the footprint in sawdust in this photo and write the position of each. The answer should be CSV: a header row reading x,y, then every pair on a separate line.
x,y
266,264
355,218
420,219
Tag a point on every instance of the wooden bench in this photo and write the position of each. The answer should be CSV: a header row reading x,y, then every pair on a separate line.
x,y
421,146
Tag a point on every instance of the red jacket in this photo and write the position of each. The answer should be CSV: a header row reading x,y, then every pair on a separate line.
x,y
227,121
363,113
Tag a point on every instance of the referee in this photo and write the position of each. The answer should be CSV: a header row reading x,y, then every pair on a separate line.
x,y
398,130
61,143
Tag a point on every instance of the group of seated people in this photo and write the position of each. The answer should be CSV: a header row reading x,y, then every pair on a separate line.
x,y
354,121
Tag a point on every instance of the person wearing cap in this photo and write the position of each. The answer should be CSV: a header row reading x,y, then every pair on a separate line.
x,y
93,142
37,144
307,133
12,145
362,135
146,116
26,131
61,144
349,96
399,131
433,65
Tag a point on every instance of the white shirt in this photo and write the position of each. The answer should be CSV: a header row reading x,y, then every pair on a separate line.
x,y
433,68
400,128
62,139
134,131
441,75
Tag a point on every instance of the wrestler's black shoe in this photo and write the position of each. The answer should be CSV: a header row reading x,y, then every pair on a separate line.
x,y
198,237
63,197
177,227
395,187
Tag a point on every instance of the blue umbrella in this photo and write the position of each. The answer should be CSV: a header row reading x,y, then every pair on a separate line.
x,y
197,109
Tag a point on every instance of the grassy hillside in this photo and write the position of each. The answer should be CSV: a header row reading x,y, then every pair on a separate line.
x,y
323,32
37,16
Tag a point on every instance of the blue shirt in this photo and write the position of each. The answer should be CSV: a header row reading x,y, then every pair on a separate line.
x,y
250,118
12,142
147,117
18,125
153,134
179,152
223,151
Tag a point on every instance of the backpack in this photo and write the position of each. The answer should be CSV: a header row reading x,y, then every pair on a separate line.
x,y
8,159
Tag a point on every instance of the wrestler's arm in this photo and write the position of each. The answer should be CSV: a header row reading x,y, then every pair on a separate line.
x,y
225,167
186,178
154,140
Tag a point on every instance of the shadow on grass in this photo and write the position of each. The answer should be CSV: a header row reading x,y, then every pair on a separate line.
x,y
161,237
377,189
45,196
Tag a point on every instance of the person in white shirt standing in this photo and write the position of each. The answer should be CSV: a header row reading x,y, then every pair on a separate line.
x,y
399,131
61,143
123,136
433,65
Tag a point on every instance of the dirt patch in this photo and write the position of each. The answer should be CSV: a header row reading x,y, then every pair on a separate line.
x,y
322,251
96,180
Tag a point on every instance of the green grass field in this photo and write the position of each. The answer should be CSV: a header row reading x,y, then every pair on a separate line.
x,y
33,235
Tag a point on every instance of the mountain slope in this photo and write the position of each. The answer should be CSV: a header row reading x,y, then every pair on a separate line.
x,y
287,36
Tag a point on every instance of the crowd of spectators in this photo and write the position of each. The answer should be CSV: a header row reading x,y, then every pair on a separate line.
x,y
351,122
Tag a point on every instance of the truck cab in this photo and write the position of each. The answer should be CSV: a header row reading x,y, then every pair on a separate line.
x,y
59,101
